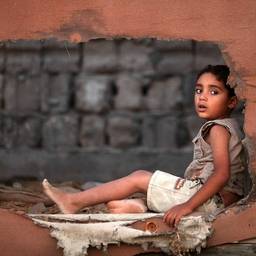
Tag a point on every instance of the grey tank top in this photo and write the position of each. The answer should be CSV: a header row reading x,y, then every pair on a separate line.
x,y
202,163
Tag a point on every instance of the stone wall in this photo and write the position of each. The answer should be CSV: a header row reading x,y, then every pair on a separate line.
x,y
100,109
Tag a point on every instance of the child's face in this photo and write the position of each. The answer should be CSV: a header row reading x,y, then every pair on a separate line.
x,y
211,98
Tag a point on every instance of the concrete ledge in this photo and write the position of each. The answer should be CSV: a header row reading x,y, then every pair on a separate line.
x,y
88,165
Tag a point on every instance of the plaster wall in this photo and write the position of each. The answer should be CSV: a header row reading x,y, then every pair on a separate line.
x,y
231,25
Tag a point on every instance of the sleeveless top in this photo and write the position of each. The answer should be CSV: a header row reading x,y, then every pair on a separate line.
x,y
202,164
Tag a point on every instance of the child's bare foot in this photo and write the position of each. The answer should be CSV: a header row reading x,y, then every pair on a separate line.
x,y
127,206
61,198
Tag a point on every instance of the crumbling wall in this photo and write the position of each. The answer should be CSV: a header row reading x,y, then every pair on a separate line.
x,y
231,25
99,98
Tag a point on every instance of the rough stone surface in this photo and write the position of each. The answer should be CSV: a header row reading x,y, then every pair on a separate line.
x,y
60,132
100,56
164,95
28,94
103,165
10,94
92,131
166,127
115,20
182,133
149,135
152,109
123,131
61,60
174,45
207,54
23,62
54,44
194,124
9,132
129,96
188,89
56,93
1,131
135,57
175,63
29,133
1,91
22,94
93,93
24,45
2,59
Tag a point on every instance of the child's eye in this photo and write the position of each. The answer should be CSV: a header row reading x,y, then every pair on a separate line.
x,y
198,90
214,92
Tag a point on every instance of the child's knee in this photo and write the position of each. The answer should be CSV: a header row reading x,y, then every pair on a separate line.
x,y
141,174
140,179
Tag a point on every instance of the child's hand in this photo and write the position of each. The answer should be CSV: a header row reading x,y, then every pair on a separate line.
x,y
173,216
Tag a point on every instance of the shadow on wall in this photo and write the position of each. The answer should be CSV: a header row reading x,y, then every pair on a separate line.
x,y
100,109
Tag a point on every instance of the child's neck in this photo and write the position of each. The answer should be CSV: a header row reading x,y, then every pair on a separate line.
x,y
220,117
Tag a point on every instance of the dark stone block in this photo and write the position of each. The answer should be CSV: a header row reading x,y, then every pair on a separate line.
x,y
182,134
2,61
188,90
23,62
1,91
93,93
100,56
123,131
53,44
164,95
61,61
9,132
10,93
175,63
92,133
136,58
174,45
22,94
56,93
60,132
129,96
24,45
207,53
166,127
29,133
149,131
194,123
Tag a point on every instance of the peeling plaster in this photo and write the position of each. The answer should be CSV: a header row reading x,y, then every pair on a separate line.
x,y
76,233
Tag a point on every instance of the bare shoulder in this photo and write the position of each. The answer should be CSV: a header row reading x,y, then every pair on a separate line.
x,y
218,133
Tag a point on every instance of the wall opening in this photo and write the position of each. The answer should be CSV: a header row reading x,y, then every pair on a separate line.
x,y
98,110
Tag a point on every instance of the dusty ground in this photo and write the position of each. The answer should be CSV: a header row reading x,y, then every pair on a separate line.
x,y
28,197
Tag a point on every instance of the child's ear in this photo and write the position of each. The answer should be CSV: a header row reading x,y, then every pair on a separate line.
x,y
232,102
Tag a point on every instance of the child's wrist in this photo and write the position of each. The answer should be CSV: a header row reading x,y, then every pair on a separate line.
x,y
191,205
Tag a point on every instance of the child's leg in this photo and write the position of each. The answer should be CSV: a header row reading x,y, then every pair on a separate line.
x,y
115,190
136,205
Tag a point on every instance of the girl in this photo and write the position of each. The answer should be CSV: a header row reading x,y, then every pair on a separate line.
x,y
214,179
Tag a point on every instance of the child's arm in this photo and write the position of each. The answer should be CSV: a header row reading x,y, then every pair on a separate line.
x,y
219,141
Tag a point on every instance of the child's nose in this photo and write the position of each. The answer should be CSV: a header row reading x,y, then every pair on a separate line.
x,y
203,96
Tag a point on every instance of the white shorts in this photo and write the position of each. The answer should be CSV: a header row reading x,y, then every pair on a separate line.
x,y
166,190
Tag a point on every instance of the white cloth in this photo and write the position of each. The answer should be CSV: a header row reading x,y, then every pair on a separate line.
x,y
166,190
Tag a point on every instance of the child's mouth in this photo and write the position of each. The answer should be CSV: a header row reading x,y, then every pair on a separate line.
x,y
201,108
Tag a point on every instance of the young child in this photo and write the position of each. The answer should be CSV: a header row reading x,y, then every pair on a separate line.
x,y
214,179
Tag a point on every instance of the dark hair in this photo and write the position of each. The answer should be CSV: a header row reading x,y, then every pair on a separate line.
x,y
221,72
